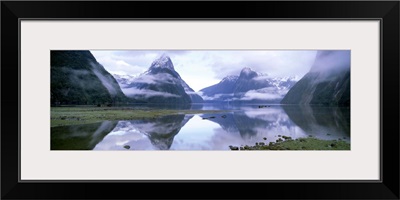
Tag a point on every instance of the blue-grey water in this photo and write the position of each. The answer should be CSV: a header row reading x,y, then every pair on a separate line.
x,y
237,125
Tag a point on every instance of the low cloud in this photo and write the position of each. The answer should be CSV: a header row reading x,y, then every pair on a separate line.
x,y
261,78
189,92
76,72
161,78
145,79
215,97
268,93
328,63
79,78
123,80
144,93
331,60
106,81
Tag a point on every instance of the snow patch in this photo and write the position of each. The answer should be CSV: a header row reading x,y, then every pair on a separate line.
x,y
124,80
230,78
163,61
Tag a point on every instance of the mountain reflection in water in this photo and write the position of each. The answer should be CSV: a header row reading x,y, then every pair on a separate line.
x,y
80,137
150,134
242,125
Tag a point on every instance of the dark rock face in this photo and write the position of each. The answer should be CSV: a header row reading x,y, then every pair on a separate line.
x,y
328,81
161,84
77,78
249,86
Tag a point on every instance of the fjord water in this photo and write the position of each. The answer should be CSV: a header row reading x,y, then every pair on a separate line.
x,y
234,125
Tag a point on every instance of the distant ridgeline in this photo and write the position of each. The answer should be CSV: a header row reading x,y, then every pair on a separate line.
x,y
328,81
248,87
77,78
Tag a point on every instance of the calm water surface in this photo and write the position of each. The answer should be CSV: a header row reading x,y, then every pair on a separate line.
x,y
239,125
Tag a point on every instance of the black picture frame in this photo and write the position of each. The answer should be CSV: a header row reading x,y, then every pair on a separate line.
x,y
386,11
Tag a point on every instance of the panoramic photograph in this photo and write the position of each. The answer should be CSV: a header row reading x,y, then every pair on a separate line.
x,y
221,100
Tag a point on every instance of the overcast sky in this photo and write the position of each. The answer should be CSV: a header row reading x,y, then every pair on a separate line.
x,y
201,69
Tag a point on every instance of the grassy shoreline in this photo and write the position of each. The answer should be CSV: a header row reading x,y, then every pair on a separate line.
x,y
64,116
287,143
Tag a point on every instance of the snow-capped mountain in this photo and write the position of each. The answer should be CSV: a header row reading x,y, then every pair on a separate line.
x,y
225,86
249,86
160,84
124,80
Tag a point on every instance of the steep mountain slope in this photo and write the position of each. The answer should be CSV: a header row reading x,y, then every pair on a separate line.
x,y
226,86
328,81
161,84
77,78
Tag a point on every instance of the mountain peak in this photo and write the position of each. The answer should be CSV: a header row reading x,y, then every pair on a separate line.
x,y
163,61
246,70
248,73
230,78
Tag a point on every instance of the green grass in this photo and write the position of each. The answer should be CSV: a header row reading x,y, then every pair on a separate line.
x,y
299,144
63,116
